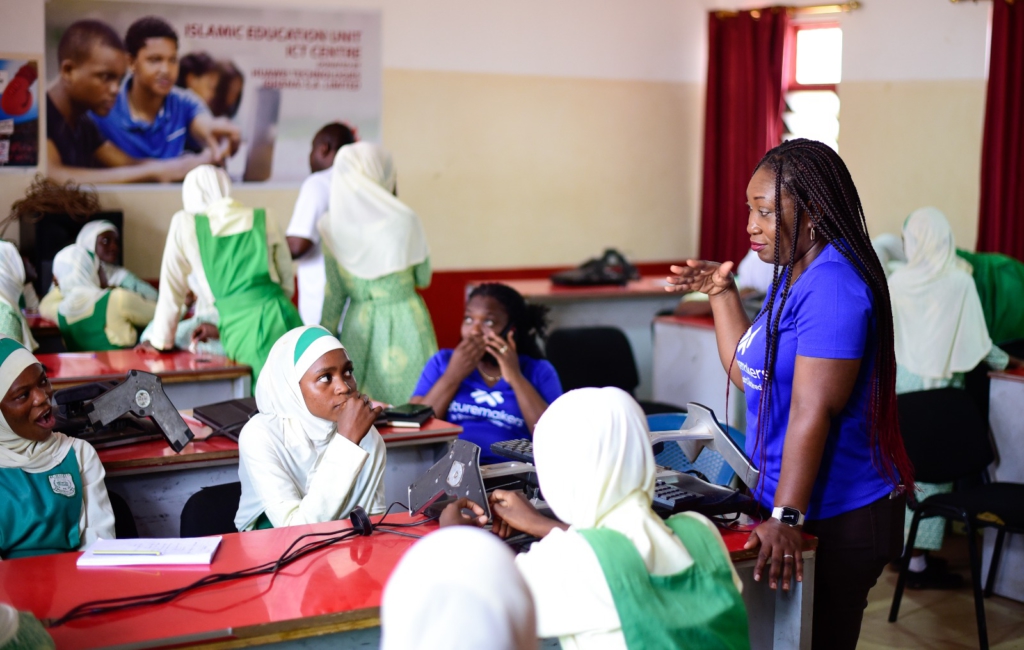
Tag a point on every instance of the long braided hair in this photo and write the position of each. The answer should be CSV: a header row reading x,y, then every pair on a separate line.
x,y
821,187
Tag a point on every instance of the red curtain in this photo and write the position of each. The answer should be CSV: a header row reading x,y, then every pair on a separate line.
x,y
1001,220
743,120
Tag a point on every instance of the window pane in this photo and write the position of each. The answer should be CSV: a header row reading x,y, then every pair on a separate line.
x,y
812,114
819,56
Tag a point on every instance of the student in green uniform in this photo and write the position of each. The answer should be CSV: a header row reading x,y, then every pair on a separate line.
x,y
92,318
241,265
614,575
12,285
52,495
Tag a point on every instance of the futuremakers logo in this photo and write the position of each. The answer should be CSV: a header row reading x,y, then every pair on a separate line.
x,y
745,342
491,399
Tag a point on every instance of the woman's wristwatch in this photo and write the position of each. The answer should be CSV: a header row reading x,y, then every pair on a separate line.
x,y
789,516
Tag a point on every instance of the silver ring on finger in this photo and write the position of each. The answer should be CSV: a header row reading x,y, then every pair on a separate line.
x,y
503,349
787,556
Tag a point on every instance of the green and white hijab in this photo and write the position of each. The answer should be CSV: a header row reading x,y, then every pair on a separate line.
x,y
77,274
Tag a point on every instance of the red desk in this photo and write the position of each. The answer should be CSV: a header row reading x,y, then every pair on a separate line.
x,y
41,326
335,590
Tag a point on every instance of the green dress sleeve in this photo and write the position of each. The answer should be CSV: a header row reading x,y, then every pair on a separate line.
x,y
422,273
334,295
10,324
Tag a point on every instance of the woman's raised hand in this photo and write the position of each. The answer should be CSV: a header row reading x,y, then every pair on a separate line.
x,y
356,416
466,357
711,278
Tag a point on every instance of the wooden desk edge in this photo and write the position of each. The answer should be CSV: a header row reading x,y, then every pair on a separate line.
x,y
164,461
173,377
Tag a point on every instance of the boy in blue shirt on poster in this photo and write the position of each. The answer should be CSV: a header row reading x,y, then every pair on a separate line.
x,y
495,383
152,117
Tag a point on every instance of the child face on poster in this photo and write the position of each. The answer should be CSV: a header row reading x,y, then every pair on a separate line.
x,y
155,66
94,81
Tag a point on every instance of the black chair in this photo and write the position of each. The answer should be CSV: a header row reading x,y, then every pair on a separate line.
x,y
124,521
1014,348
211,511
947,439
597,357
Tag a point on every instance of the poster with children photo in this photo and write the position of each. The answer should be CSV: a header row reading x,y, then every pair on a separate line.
x,y
19,113
145,92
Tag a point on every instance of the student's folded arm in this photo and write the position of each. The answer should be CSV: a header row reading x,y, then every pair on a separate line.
x,y
97,519
436,387
282,500
174,272
138,311
219,134
119,167
422,273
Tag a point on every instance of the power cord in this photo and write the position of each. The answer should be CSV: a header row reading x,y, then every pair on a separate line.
x,y
361,525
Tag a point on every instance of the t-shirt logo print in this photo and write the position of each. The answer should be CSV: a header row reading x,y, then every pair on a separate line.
x,y
747,339
491,399
62,484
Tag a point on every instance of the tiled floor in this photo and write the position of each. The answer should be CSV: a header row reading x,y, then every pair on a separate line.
x,y
939,620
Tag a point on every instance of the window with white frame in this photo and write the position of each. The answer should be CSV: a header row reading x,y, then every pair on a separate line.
x,y
813,76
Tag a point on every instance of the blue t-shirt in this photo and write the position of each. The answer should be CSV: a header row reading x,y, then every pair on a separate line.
x,y
488,415
165,137
829,315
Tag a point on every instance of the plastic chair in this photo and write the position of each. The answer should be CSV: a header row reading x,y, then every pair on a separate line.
x,y
947,439
211,511
597,357
709,463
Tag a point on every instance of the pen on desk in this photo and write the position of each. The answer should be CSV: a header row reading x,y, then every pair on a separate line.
x,y
126,552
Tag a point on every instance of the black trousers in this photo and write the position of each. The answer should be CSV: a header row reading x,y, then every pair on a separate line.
x,y
853,549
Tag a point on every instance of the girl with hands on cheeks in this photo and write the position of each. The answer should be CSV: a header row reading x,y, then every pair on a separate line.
x,y
311,454
818,370
599,566
495,383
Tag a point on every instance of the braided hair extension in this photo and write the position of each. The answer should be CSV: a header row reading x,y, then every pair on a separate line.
x,y
529,321
821,187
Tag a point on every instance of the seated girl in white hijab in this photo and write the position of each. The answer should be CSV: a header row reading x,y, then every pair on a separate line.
x,y
52,495
102,238
311,454
92,318
12,285
616,576
427,606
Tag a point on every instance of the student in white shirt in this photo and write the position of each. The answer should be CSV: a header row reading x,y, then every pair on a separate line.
x,y
303,234
311,454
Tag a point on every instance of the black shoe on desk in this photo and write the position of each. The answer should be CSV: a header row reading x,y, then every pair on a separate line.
x,y
934,578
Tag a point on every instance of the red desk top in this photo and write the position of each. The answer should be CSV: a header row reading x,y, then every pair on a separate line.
x,y
703,322
333,589
645,287
38,324
1009,375
72,368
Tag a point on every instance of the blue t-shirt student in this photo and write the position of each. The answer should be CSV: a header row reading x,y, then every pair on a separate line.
x,y
164,137
829,315
490,414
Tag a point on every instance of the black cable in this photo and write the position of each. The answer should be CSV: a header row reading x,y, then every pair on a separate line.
x,y
291,554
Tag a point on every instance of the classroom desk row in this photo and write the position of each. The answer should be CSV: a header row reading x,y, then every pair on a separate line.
x,y
335,592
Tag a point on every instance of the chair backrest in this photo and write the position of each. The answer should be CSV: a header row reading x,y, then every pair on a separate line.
x,y
593,356
211,511
945,435
124,521
710,463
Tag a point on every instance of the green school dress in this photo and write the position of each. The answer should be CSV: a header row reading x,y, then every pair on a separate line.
x,y
11,321
39,513
88,334
696,608
387,330
1000,283
254,310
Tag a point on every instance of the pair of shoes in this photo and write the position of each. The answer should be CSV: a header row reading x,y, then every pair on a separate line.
x,y
934,578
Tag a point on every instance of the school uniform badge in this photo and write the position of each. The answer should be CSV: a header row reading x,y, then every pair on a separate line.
x,y
62,484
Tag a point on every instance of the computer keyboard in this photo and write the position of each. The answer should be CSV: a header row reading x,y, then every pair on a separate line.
x,y
672,498
521,449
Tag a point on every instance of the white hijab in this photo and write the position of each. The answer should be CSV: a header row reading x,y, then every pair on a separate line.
x,y
889,248
596,469
15,451
207,190
12,284
77,273
939,324
458,589
368,230
282,410
87,240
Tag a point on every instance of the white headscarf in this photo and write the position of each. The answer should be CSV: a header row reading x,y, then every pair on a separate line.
x,y
77,273
458,589
368,230
12,284
596,469
207,190
889,248
15,451
279,398
87,240
939,324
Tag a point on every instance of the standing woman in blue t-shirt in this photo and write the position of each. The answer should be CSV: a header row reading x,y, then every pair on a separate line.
x,y
495,383
818,370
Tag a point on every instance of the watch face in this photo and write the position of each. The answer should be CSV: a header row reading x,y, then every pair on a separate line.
x,y
790,516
